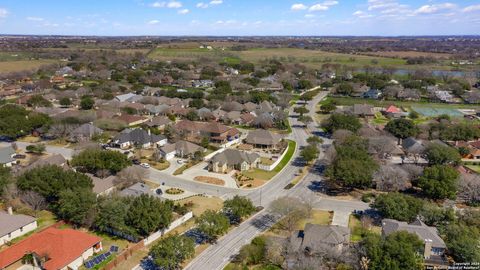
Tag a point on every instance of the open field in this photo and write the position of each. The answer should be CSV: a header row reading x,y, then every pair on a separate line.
x,y
402,54
13,66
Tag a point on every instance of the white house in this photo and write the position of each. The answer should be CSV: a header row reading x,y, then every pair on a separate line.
x,y
13,226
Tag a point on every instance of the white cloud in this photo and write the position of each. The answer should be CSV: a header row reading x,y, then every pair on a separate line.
x,y
202,5
318,7
298,6
171,4
472,8
183,11
216,2
174,4
35,19
362,14
3,13
435,8
153,22
309,16
330,3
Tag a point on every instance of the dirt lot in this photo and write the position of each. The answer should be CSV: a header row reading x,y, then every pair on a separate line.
x,y
209,180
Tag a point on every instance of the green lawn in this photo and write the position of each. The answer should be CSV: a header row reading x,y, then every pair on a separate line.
x,y
318,217
267,175
475,168
357,230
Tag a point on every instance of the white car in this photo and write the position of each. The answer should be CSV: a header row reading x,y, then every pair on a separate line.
x,y
145,165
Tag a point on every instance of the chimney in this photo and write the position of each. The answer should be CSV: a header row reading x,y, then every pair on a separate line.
x,y
428,249
10,210
149,132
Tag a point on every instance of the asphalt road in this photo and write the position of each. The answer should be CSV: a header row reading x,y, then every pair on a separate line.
x,y
218,256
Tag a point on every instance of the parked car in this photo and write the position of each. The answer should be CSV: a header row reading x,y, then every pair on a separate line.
x,y
136,162
19,156
145,165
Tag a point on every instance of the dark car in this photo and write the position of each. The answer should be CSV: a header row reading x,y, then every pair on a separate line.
x,y
19,156
136,162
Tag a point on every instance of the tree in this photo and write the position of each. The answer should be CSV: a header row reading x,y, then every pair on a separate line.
x,y
212,225
131,175
95,160
469,188
205,142
5,178
112,214
328,107
314,140
36,148
438,154
305,84
148,214
414,115
253,253
309,153
462,242
65,102
291,210
25,121
439,182
301,110
345,89
76,205
399,250
402,128
237,208
342,121
38,101
36,201
352,166
392,178
172,251
50,180
398,206
86,103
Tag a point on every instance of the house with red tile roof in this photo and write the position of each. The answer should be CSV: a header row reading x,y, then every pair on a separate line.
x,y
52,249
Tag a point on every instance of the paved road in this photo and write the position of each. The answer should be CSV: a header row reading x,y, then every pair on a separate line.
x,y
66,152
218,256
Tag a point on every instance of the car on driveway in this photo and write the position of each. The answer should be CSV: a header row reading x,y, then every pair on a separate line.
x,y
145,165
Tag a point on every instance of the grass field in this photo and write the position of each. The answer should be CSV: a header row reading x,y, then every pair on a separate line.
x,y
21,65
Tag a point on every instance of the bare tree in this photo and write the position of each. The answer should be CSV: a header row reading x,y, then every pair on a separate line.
x,y
382,145
469,188
341,135
36,201
131,175
291,211
392,178
414,171
329,154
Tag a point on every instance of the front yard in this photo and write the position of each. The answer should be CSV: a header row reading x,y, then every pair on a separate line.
x,y
357,229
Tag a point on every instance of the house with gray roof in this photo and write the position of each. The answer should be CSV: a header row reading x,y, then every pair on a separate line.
x,y
57,160
261,138
159,122
84,133
315,239
182,149
13,226
138,137
434,245
125,97
136,190
363,110
6,156
232,159
103,186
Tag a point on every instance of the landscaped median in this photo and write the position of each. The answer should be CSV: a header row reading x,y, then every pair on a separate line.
x,y
267,175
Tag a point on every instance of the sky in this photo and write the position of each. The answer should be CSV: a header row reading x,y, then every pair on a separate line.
x,y
240,17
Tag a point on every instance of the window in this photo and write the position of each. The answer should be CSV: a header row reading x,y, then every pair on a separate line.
x,y
21,229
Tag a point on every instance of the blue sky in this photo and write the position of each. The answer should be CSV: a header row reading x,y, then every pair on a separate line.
x,y
240,17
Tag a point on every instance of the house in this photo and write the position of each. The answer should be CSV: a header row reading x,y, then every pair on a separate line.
x,y
132,120
138,137
372,94
13,226
315,239
216,132
261,138
182,149
409,94
53,249
472,97
444,96
159,122
232,159
363,110
413,146
84,133
125,97
434,248
103,186
394,112
6,156
57,160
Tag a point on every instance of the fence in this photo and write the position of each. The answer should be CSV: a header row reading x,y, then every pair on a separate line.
x,y
124,255
273,165
154,236
223,148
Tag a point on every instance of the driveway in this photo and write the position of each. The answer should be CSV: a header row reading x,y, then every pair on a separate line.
x,y
201,169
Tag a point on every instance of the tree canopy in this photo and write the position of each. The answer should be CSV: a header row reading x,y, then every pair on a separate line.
x,y
238,207
402,128
172,251
95,160
439,182
342,121
148,214
398,206
25,121
76,205
438,154
212,224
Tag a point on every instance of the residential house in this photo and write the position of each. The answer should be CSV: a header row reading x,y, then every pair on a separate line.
x,y
409,94
125,97
372,94
138,137
232,159
6,156
159,122
104,186
216,132
84,133
394,112
261,138
444,96
53,249
315,239
472,97
57,160
434,246
13,226
136,190
413,146
182,149
132,120
363,110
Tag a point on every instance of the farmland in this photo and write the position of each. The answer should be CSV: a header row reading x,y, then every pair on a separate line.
x,y
21,65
